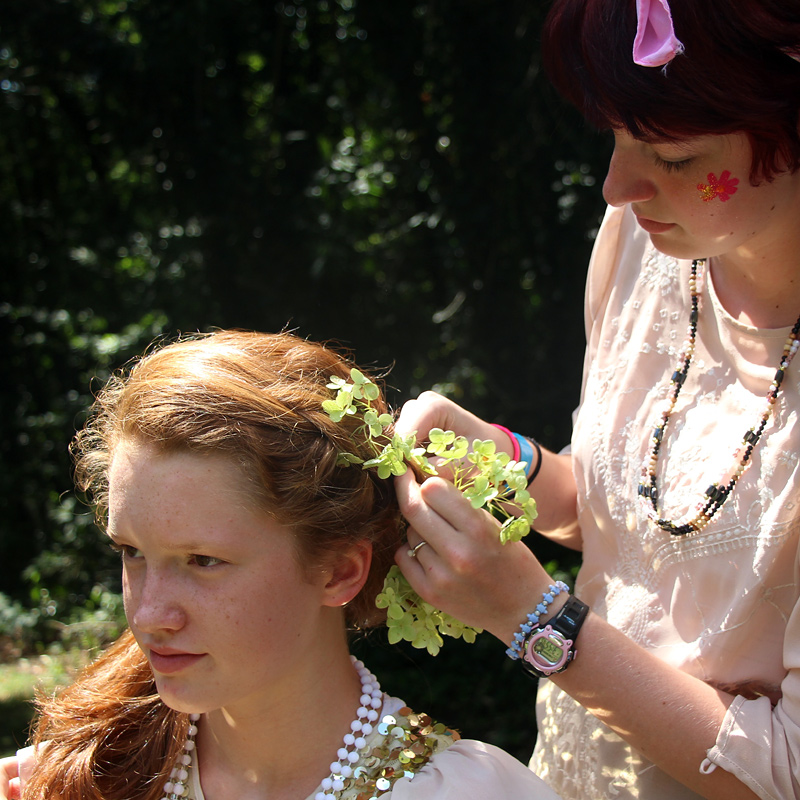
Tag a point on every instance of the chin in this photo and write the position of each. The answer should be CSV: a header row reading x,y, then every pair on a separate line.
x,y
181,701
184,705
675,249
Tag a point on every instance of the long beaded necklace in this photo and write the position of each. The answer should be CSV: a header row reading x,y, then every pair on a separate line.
x,y
347,756
717,493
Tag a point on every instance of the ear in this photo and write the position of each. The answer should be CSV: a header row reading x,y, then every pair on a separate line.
x,y
347,573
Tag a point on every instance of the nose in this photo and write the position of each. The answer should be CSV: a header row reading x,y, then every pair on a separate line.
x,y
152,601
627,179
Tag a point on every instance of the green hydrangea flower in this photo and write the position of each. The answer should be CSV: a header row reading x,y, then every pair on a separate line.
x,y
488,479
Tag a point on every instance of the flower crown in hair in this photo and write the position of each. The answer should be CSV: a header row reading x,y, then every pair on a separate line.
x,y
488,479
655,44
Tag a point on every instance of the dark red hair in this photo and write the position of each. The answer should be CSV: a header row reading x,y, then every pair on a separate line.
x,y
735,75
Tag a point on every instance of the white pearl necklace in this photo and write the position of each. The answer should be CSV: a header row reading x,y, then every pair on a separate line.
x,y
176,787
355,741
348,755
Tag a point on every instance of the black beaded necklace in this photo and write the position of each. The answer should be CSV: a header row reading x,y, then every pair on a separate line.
x,y
717,493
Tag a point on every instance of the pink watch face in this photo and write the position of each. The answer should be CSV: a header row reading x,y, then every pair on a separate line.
x,y
548,650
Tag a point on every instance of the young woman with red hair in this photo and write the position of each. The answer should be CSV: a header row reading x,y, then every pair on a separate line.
x,y
682,484
247,550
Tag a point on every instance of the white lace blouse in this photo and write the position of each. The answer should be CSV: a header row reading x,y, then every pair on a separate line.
x,y
721,604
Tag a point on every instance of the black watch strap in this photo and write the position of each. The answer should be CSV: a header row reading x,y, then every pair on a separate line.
x,y
550,648
569,620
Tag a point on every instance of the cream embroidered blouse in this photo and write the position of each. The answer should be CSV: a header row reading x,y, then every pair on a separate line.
x,y
721,604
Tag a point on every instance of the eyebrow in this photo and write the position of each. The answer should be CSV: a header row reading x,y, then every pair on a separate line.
x,y
679,144
182,547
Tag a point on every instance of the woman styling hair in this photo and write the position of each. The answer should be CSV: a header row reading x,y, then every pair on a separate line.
x,y
246,552
682,482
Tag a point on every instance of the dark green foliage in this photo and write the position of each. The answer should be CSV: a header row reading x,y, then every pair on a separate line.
x,y
16,716
395,176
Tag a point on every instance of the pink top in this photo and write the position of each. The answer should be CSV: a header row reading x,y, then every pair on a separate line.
x,y
721,604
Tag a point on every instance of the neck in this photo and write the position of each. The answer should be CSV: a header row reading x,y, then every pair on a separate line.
x,y
758,290
283,746
758,282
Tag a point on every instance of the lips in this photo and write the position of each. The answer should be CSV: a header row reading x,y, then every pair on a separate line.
x,y
653,226
168,661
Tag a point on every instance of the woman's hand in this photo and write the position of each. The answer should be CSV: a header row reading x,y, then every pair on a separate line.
x,y
554,489
432,410
464,569
9,778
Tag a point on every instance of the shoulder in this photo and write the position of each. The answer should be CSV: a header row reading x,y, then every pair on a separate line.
x,y
618,234
27,761
16,770
619,248
472,770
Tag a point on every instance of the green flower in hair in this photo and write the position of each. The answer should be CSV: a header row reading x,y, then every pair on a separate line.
x,y
488,479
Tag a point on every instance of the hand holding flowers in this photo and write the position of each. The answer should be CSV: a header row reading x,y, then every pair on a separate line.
x,y
488,479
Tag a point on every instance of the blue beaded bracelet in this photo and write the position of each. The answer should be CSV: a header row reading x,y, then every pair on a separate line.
x,y
532,620
526,447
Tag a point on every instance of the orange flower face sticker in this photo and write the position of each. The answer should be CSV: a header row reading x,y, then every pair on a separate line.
x,y
722,187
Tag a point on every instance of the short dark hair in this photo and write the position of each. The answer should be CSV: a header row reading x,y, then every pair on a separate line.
x,y
735,76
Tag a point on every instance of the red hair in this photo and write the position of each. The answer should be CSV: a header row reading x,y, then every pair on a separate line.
x,y
108,736
735,75
257,399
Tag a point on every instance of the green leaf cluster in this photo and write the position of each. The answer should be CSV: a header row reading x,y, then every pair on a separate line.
x,y
409,618
488,479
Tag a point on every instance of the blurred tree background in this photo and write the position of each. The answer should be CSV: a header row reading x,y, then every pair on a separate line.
x,y
398,177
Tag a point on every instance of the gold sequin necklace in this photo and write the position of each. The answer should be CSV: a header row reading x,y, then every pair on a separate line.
x,y
717,493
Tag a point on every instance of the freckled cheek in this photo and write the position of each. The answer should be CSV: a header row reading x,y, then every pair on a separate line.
x,y
254,613
130,596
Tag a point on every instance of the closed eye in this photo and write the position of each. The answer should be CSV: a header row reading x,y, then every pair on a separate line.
x,y
672,166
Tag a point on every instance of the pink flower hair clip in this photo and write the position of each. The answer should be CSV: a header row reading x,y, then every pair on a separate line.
x,y
655,44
